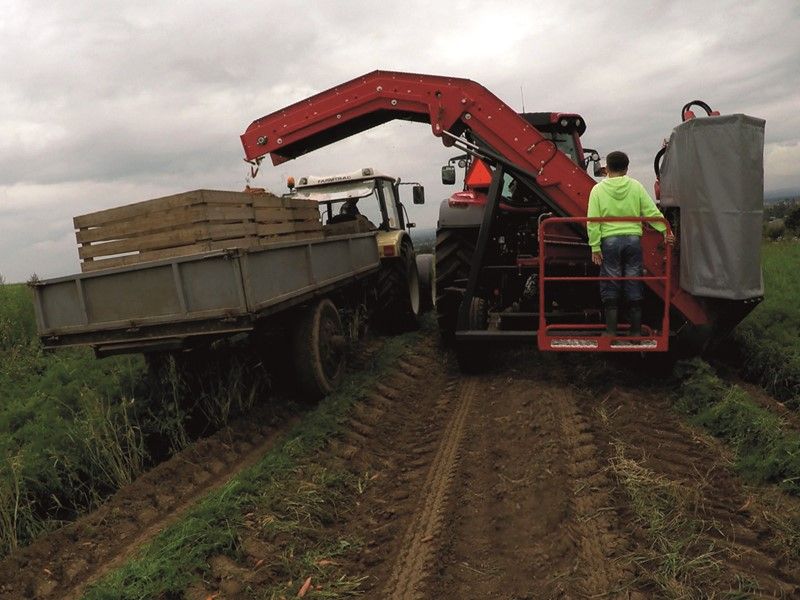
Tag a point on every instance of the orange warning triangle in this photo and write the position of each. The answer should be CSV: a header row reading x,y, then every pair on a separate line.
x,y
479,175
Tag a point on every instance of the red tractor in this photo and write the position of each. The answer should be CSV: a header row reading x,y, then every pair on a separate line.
x,y
512,261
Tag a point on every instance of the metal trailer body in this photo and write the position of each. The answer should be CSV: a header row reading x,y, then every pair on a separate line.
x,y
161,305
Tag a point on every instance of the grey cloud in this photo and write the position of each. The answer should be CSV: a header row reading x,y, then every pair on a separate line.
x,y
106,103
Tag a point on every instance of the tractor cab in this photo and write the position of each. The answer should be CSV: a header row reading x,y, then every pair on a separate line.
x,y
563,129
361,201
365,196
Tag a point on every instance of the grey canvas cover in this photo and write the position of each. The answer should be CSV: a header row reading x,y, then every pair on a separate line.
x,y
713,169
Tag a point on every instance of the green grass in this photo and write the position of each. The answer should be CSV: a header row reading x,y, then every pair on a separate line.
x,y
292,495
678,561
74,429
766,450
67,437
769,338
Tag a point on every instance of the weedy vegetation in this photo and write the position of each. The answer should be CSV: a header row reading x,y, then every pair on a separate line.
x,y
74,429
288,500
678,561
766,450
68,434
768,341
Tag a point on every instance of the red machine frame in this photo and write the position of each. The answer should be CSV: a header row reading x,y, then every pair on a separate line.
x,y
451,106
588,338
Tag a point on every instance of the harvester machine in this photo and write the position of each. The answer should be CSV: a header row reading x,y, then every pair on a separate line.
x,y
512,260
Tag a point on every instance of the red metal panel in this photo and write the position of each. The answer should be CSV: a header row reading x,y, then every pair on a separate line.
x,y
548,337
448,104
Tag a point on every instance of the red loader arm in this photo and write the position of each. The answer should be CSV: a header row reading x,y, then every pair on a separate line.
x,y
450,105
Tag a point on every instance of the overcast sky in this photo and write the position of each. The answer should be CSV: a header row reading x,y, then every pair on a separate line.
x,y
105,103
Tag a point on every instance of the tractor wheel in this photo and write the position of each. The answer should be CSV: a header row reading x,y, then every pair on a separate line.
x,y
398,292
426,267
454,249
318,349
471,355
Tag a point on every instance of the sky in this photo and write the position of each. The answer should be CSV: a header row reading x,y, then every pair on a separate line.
x,y
106,103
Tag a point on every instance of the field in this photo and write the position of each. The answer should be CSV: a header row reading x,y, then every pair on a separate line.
x,y
769,339
74,429
548,476
67,435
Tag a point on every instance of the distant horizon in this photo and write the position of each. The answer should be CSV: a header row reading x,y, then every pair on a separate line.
x,y
783,194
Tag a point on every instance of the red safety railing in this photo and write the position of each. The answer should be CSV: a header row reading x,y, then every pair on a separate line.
x,y
583,337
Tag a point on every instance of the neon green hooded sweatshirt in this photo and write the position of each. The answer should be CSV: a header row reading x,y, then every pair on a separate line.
x,y
619,197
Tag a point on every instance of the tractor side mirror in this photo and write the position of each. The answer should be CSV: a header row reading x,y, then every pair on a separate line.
x,y
418,193
448,175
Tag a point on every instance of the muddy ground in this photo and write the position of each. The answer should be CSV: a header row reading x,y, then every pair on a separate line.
x,y
521,483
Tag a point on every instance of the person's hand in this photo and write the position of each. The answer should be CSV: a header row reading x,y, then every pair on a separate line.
x,y
670,239
597,258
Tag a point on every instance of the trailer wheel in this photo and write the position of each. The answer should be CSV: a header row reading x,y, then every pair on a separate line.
x,y
319,350
426,267
398,292
454,249
470,355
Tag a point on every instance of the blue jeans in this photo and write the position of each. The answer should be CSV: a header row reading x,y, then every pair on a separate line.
x,y
622,257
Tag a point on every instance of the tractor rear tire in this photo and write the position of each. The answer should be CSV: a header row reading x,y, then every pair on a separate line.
x,y
398,292
471,355
318,350
454,250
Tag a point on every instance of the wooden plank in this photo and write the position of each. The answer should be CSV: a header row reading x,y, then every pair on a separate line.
x,y
279,215
245,242
135,259
231,230
137,209
168,239
147,207
290,237
270,201
161,221
228,197
288,227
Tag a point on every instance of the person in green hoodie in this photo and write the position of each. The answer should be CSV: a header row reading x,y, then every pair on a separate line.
x,y
616,246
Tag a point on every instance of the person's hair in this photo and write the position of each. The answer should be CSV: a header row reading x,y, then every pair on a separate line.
x,y
617,162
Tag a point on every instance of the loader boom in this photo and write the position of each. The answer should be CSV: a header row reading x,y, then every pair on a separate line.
x,y
449,105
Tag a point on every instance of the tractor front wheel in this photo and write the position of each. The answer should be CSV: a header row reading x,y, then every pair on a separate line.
x,y
398,292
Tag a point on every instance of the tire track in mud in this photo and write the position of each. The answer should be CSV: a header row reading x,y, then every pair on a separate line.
x,y
594,525
415,559
730,517
62,564
389,436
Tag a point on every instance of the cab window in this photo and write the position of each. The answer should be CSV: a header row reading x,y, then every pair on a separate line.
x,y
565,141
391,205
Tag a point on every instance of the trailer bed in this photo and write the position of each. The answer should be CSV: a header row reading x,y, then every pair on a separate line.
x,y
160,305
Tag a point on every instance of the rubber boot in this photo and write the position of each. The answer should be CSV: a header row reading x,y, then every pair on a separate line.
x,y
635,317
611,314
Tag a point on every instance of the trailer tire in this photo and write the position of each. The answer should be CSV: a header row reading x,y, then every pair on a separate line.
x,y
426,267
470,357
398,292
318,350
454,250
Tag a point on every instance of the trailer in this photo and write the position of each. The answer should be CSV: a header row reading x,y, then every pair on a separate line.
x,y
184,302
